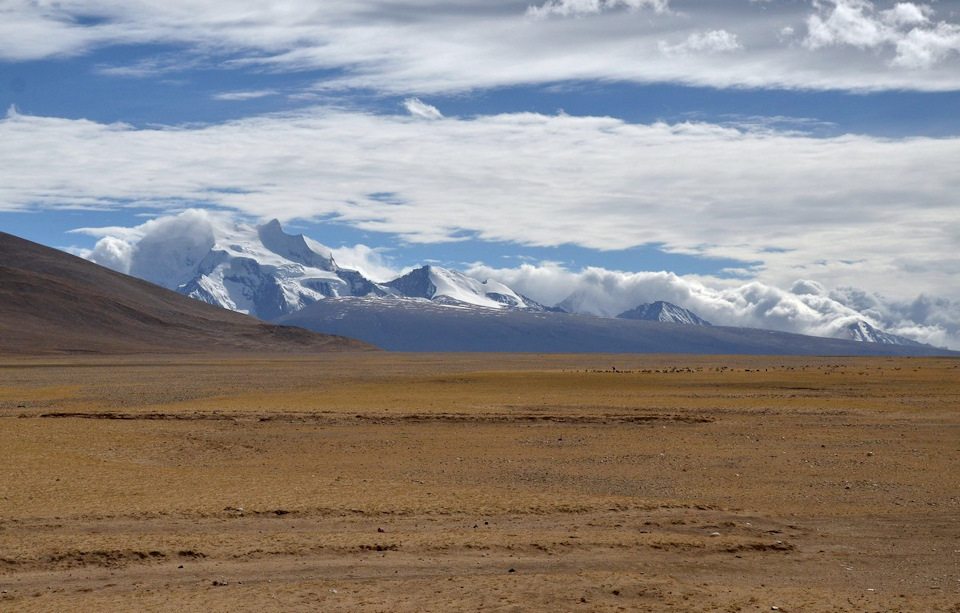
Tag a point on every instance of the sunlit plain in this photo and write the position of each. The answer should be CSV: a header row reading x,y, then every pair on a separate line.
x,y
386,482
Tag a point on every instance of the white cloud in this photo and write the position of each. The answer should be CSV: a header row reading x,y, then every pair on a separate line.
x,y
417,108
713,41
31,31
245,95
907,14
566,8
373,263
919,42
925,48
806,308
145,251
849,23
424,47
113,252
851,210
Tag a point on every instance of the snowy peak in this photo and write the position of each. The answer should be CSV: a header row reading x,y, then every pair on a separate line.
x,y
865,333
296,248
451,287
665,312
414,284
265,272
257,270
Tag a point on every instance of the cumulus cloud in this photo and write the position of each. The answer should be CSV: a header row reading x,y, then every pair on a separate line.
x,y
713,41
113,252
601,183
808,307
907,14
907,27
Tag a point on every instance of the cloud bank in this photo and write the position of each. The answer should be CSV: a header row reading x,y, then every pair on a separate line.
x,y
423,47
806,307
850,210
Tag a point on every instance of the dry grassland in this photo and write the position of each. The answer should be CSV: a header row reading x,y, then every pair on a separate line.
x,y
385,482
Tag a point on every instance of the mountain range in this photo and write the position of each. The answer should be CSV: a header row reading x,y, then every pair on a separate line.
x,y
264,272
423,325
294,280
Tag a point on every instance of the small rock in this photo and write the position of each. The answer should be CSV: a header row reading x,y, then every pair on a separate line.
x,y
381,530
714,534
512,570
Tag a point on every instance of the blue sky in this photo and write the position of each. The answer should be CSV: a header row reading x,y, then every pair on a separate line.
x,y
770,142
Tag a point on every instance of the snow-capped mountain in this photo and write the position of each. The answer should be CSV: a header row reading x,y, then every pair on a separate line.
x,y
665,312
865,333
258,270
265,272
445,286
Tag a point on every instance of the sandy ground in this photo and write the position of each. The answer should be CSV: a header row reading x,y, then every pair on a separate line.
x,y
385,482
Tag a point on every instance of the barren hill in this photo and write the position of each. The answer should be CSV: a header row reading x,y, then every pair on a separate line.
x,y
53,302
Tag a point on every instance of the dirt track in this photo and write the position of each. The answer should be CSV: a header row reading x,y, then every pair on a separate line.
x,y
384,482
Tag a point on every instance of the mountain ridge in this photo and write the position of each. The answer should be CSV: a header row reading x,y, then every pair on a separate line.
x,y
863,332
53,302
450,286
666,312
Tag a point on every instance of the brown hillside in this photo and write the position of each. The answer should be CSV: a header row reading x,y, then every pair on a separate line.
x,y
53,302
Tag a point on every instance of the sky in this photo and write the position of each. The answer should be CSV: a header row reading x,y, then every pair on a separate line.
x,y
793,161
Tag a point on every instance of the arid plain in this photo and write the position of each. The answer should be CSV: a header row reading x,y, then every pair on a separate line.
x,y
392,482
